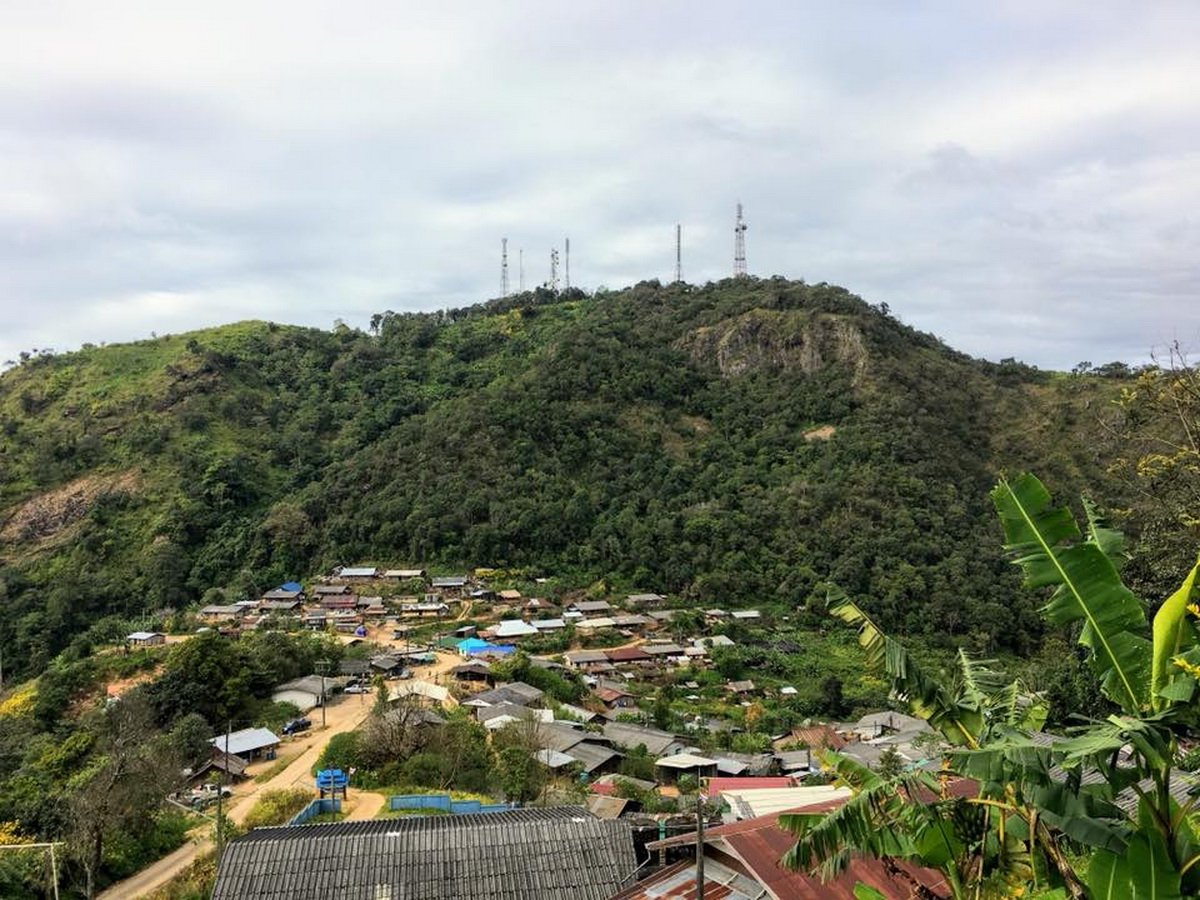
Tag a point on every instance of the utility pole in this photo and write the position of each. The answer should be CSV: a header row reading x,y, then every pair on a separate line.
x,y
322,668
221,790
699,839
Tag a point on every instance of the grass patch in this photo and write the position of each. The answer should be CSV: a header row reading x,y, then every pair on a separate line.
x,y
275,768
276,807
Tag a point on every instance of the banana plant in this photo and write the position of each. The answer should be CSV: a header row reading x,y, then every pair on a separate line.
x,y
1149,670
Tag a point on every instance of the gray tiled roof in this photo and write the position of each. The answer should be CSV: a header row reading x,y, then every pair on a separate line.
x,y
523,854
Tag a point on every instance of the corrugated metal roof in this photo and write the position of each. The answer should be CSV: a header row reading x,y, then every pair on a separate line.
x,y
563,853
754,802
246,740
678,882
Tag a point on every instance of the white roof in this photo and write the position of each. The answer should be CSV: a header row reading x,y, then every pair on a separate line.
x,y
404,573
602,622
553,758
747,614
359,572
548,624
717,640
513,628
246,740
788,690
753,802
684,761
143,635
418,688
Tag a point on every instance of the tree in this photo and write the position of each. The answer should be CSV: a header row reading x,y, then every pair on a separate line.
x,y
125,783
891,764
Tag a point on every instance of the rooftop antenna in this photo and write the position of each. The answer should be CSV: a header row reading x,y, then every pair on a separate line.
x,y
521,269
739,245
553,282
567,279
503,268
678,253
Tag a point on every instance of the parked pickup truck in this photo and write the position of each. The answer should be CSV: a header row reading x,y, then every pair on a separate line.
x,y
295,726
205,794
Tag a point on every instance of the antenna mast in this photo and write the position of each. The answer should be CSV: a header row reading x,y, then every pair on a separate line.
x,y
678,253
739,245
567,280
553,282
521,268
503,268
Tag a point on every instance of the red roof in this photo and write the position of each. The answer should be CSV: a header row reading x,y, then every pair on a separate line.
x,y
819,736
760,844
718,784
627,654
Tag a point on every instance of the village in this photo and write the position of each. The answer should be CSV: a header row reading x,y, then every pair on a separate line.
x,y
633,721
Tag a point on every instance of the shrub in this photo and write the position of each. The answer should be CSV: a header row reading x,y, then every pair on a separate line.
x,y
276,807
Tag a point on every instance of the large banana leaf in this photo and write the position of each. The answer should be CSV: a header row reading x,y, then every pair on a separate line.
x,y
1173,634
959,724
1049,547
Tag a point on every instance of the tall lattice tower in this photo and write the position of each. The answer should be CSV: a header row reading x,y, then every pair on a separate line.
x,y
567,262
553,282
678,253
503,268
739,245
521,269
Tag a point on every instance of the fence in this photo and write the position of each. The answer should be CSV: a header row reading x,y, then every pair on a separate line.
x,y
316,808
443,803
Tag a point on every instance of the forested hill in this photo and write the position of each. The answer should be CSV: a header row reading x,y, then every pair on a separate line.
x,y
742,442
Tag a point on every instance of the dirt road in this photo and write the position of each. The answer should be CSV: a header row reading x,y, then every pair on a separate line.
x,y
342,716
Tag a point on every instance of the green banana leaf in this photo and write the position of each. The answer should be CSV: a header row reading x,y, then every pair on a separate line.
x,y
1173,634
1047,544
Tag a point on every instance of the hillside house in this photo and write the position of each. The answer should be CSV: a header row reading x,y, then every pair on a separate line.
x,y
305,692
590,607
357,573
545,626
474,672
584,660
283,594
614,697
512,629
140,639
517,692
339,601
665,650
453,585
215,613
510,596
621,656
248,743
326,590
670,768
403,574
746,615
629,736
643,601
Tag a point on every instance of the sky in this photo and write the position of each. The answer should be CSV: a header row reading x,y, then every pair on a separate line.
x,y
1020,179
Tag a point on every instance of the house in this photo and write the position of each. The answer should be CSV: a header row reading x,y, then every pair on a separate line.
x,y
538,605
339,601
619,656
450,583
516,692
249,743
715,614
508,629
475,671
590,607
714,787
662,616
879,724
819,736
744,857
494,717
435,609
355,667
644,600
750,803
358,573
578,713
146,639
279,606
543,626
593,752
421,691
230,766
670,768
746,615
615,697
717,640
325,590
740,688
628,735
314,620
305,692
664,650
220,613
585,659
283,594
548,853
749,764
595,624
403,574
634,622
388,665
510,596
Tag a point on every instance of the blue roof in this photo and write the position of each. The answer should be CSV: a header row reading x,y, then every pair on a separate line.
x,y
291,586
473,645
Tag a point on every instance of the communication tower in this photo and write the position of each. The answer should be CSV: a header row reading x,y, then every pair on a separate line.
x,y
553,282
739,245
567,261
678,253
521,269
503,268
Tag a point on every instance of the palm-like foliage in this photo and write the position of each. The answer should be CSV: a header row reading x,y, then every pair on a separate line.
x,y
1034,794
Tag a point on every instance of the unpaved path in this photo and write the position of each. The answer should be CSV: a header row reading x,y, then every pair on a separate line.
x,y
366,805
343,716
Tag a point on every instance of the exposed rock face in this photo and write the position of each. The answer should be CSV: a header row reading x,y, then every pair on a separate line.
x,y
48,514
773,339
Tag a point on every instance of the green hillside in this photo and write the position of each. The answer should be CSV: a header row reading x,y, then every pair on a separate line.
x,y
742,442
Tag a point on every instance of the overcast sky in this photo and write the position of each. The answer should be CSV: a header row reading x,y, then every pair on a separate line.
x,y
1021,179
